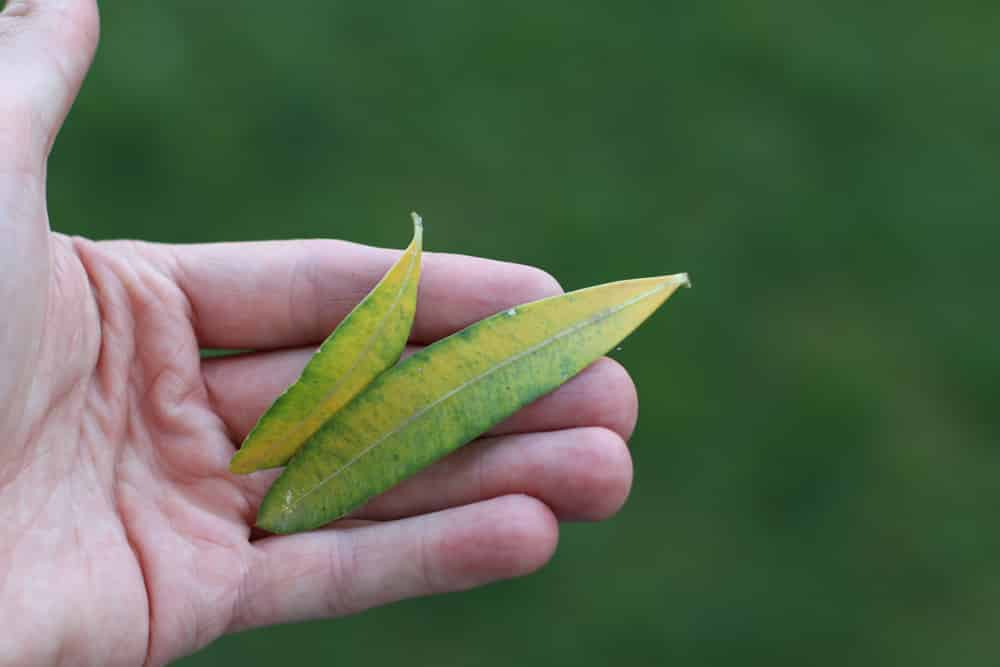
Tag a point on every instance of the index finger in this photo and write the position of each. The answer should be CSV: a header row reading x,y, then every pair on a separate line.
x,y
279,294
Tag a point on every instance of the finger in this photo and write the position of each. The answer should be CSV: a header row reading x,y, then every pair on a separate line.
x,y
286,293
335,572
242,387
582,474
46,47
603,394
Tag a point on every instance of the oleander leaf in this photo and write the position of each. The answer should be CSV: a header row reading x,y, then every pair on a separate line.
x,y
451,392
367,342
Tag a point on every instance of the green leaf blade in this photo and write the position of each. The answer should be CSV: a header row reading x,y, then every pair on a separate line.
x,y
367,342
450,393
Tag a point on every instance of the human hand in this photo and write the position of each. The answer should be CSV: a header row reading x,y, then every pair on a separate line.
x,y
124,539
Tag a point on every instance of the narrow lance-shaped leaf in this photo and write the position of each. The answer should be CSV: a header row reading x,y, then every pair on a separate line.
x,y
451,392
369,340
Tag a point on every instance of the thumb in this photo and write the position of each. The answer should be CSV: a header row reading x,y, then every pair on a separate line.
x,y
45,50
46,47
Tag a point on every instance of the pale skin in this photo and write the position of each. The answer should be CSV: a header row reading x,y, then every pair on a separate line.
x,y
124,540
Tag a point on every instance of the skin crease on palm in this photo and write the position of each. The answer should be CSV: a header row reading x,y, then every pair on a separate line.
x,y
124,539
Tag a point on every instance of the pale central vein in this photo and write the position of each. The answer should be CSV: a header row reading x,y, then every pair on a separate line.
x,y
603,315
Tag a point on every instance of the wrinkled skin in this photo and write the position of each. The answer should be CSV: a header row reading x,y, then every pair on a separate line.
x,y
124,540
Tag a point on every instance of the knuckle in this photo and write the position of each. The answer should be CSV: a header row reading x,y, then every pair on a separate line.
x,y
341,570
312,296
304,291
526,536
431,579
604,473
618,405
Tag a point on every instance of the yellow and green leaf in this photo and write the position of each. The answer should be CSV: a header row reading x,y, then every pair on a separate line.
x,y
368,341
451,392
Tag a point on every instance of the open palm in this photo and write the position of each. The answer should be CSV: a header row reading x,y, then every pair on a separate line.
x,y
124,539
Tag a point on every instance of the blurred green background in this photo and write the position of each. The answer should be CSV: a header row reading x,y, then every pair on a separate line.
x,y
816,458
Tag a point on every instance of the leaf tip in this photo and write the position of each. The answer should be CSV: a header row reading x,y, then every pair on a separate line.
x,y
418,231
240,464
266,519
265,523
275,514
